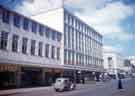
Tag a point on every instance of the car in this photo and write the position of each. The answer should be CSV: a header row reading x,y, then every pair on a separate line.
x,y
63,84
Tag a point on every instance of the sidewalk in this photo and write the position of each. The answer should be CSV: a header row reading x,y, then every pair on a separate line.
x,y
22,90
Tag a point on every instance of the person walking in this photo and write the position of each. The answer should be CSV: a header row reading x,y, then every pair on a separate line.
x,y
120,84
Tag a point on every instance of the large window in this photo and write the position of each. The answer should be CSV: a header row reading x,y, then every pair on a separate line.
x,y
40,49
3,40
34,27
24,45
47,50
5,16
17,20
15,43
25,24
33,45
53,52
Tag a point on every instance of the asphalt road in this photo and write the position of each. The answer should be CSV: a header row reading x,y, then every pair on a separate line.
x,y
100,89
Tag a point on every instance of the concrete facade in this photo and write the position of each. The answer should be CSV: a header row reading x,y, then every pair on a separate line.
x,y
35,51
78,38
113,63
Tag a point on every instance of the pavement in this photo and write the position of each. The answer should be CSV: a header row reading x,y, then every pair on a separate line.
x,y
98,89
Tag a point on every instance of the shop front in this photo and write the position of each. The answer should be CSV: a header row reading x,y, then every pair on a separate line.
x,y
8,75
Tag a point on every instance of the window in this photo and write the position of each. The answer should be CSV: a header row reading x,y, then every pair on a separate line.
x,y
41,30
65,55
5,16
40,49
34,27
54,34
4,40
58,36
15,43
47,32
47,50
25,24
33,45
24,45
16,20
53,52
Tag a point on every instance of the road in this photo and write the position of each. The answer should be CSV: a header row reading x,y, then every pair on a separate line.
x,y
100,89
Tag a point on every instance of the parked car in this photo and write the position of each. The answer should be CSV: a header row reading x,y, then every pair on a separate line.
x,y
62,84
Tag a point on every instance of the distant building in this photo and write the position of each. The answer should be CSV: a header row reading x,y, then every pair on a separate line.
x,y
113,63
131,59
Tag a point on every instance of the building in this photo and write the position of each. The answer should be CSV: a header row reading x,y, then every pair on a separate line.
x,y
29,51
82,45
113,63
131,59
35,51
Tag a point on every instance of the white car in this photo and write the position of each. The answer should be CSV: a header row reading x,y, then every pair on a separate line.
x,y
62,84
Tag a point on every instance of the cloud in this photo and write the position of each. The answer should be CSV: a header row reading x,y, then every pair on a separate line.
x,y
33,7
105,17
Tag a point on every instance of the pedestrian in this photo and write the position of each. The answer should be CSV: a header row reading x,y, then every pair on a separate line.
x,y
120,84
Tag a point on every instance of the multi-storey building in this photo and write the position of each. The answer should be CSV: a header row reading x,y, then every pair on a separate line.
x,y
81,44
55,43
29,51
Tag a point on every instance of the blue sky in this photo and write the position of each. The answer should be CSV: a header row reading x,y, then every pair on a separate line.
x,y
114,19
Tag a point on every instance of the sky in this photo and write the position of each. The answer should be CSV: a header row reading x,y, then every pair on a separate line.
x,y
114,19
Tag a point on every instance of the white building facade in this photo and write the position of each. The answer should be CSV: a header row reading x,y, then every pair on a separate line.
x,y
29,51
113,63
35,51
82,45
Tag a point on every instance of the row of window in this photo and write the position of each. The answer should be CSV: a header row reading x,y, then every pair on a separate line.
x,y
49,49
29,25
77,41
80,26
71,57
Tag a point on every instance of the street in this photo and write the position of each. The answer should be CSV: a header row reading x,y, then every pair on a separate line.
x,y
98,89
